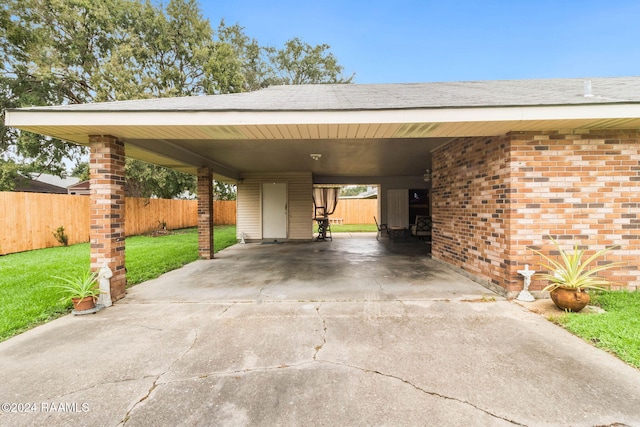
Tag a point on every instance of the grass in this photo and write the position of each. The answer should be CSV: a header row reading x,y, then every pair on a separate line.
x,y
27,301
616,331
350,228
149,257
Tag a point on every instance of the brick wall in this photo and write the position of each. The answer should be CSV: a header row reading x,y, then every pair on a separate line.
x,y
579,188
470,207
495,197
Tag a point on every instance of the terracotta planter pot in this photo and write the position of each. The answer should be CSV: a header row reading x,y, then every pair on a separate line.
x,y
570,299
86,303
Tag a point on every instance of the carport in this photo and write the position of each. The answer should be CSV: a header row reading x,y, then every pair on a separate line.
x,y
512,161
354,267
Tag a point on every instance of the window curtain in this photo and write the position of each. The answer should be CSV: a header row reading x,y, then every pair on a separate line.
x,y
325,200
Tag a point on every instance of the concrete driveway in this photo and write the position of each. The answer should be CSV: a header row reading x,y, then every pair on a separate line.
x,y
349,332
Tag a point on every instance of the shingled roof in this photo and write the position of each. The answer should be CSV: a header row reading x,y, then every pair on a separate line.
x,y
363,97
391,129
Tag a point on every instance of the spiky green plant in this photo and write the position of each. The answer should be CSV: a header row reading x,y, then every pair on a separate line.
x,y
570,271
81,286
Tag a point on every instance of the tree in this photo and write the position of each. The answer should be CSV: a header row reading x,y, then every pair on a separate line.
x,y
224,191
76,51
296,63
147,180
256,67
174,56
352,190
168,52
299,63
41,64
81,171
9,175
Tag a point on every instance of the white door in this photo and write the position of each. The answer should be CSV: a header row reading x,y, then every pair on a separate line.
x,y
398,208
274,210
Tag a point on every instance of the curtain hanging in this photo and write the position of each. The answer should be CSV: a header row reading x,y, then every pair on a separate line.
x,y
325,200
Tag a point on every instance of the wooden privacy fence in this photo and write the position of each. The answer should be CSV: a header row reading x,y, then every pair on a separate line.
x,y
224,212
356,211
28,220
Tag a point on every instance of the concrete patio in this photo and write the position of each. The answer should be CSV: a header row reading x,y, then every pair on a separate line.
x,y
349,332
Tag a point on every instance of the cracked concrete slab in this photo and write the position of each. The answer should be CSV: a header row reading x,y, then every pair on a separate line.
x,y
273,335
493,355
394,341
313,393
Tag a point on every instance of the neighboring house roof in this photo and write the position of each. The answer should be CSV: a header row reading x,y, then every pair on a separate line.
x,y
361,130
26,185
79,185
80,188
30,186
54,180
44,183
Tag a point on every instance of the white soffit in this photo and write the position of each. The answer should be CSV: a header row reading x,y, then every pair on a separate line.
x,y
370,124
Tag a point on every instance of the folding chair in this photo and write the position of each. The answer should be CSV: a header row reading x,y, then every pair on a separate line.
x,y
381,227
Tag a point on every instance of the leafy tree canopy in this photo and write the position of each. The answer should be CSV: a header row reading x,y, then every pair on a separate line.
x,y
81,170
224,191
77,51
353,190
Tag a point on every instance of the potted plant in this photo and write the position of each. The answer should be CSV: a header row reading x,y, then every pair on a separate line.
x,y
570,276
82,290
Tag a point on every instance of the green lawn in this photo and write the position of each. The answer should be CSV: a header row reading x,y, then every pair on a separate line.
x,y
26,300
350,228
616,331
149,257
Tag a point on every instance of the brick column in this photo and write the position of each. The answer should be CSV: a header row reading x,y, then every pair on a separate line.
x,y
205,213
107,209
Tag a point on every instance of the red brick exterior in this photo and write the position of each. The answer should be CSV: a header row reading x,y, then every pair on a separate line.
x,y
205,213
471,207
493,198
106,233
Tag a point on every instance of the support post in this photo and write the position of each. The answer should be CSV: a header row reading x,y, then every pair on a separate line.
x,y
205,213
107,201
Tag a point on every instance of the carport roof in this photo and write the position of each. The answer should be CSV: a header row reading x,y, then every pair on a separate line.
x,y
390,129
340,97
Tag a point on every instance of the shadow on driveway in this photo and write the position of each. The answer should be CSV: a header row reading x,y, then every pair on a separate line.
x,y
352,267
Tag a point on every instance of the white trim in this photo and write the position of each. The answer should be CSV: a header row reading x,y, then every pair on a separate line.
x,y
25,118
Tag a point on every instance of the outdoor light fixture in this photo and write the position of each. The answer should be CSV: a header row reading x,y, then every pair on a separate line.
x,y
315,156
427,175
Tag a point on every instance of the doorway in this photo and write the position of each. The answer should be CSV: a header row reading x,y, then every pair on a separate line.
x,y
274,210
398,208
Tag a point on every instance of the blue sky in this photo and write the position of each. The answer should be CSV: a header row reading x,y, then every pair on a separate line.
x,y
424,41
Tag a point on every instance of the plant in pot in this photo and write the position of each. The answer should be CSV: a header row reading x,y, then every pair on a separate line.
x,y
82,290
569,277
